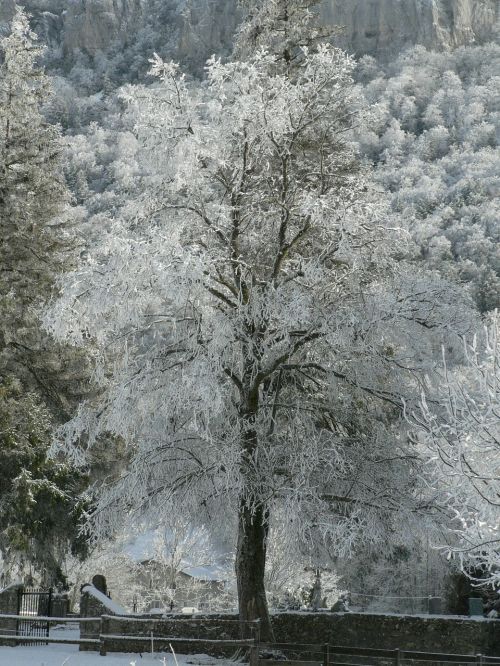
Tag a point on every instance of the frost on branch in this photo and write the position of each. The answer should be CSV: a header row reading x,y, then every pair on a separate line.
x,y
460,433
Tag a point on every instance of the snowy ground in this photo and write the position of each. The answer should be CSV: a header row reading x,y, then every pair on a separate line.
x,y
68,655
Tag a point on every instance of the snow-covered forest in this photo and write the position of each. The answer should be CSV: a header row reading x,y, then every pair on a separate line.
x,y
249,294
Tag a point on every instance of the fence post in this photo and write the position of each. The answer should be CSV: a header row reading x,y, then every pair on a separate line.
x,y
255,648
20,591
397,657
257,632
326,655
479,659
103,630
49,612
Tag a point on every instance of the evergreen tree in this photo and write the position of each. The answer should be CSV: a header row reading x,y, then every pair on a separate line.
x,y
37,509
38,512
35,218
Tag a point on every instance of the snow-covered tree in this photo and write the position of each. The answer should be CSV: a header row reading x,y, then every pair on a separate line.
x,y
178,557
34,216
460,431
265,327
283,27
38,509
433,135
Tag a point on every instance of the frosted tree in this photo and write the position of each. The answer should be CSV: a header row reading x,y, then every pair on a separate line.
x,y
282,27
264,326
177,546
38,510
461,435
34,215
433,135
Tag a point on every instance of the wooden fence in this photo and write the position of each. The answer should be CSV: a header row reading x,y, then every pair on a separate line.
x,y
259,654
287,654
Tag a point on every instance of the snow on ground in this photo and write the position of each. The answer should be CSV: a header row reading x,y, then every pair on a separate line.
x,y
68,655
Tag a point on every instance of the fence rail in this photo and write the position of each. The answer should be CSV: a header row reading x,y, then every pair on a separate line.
x,y
49,639
50,620
302,654
177,639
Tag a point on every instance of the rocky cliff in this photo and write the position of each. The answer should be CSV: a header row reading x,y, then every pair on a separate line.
x,y
375,27
92,25
379,27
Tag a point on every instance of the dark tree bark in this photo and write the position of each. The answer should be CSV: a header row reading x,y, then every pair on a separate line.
x,y
250,566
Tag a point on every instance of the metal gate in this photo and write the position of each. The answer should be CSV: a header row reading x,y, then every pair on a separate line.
x,y
33,603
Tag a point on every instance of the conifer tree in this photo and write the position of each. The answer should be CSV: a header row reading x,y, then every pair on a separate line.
x,y
34,214
38,513
38,510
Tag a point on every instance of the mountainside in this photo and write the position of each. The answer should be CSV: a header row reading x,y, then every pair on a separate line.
x,y
382,27
197,28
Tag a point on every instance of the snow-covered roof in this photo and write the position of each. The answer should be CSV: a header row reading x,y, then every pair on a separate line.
x,y
144,548
208,573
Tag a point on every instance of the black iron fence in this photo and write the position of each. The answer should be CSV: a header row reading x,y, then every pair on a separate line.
x,y
34,604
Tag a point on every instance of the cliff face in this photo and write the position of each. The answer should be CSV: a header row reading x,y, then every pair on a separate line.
x,y
92,25
380,28
202,27
384,27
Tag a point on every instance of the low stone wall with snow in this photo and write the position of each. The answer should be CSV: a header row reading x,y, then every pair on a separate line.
x,y
460,635
138,632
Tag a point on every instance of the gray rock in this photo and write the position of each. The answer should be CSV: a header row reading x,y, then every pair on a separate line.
x,y
385,27
202,27
92,25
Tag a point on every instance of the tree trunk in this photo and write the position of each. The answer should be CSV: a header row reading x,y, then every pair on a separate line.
x,y
250,567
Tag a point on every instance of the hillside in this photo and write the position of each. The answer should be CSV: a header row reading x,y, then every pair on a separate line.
x,y
128,31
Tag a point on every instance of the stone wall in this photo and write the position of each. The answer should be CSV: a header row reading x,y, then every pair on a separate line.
x,y
8,606
94,603
458,635
90,607
213,626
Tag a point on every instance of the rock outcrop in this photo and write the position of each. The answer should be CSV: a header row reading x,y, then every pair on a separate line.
x,y
201,27
385,27
381,28
93,25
